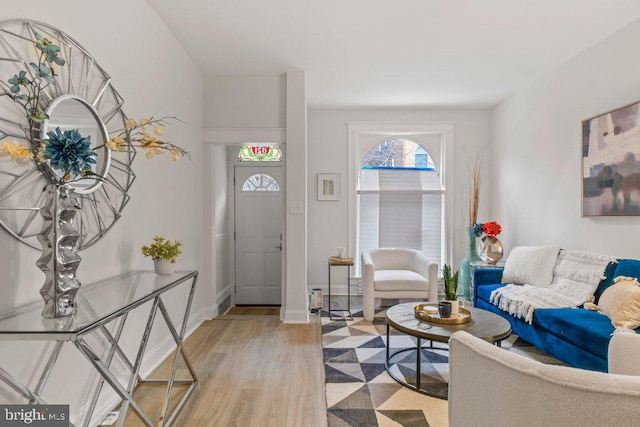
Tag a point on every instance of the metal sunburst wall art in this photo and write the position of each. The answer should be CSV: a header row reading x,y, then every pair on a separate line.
x,y
67,150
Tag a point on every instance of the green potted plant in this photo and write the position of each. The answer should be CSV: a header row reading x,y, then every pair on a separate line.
x,y
451,288
164,253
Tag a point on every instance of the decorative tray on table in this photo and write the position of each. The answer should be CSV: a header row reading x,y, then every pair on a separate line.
x,y
429,313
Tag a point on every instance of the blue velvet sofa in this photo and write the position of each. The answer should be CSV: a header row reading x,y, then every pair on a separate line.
x,y
576,336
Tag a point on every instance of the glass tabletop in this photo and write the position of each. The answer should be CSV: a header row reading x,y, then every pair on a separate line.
x,y
97,304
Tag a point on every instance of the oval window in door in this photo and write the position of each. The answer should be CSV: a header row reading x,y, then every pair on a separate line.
x,y
260,182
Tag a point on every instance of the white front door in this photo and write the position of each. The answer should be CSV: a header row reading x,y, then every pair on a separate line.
x,y
258,223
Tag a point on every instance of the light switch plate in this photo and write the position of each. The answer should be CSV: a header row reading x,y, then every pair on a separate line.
x,y
295,208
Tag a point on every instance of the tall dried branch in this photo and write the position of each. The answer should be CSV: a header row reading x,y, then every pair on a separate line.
x,y
476,166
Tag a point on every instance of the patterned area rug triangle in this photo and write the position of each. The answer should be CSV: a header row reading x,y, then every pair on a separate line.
x,y
359,390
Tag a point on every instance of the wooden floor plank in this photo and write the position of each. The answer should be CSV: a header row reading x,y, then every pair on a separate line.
x,y
251,373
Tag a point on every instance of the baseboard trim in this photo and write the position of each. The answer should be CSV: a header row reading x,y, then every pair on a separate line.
x,y
295,316
211,312
223,294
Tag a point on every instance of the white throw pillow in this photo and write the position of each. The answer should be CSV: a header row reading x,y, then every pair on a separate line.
x,y
531,265
577,274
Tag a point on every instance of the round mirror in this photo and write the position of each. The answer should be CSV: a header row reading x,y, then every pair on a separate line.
x,y
79,96
72,113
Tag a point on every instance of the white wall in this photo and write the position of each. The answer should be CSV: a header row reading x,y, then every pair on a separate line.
x,y
156,78
327,220
536,154
244,101
257,108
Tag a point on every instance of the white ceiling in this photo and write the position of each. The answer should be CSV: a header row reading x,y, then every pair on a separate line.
x,y
470,53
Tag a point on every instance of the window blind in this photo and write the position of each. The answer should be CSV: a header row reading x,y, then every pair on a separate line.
x,y
401,208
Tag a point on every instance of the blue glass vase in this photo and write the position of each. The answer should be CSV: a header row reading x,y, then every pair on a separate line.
x,y
465,265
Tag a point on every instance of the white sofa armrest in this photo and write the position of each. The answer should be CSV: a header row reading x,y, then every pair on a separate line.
x,y
624,349
492,387
368,272
428,269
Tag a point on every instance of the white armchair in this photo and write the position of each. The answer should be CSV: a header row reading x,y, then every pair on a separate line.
x,y
489,386
624,349
397,273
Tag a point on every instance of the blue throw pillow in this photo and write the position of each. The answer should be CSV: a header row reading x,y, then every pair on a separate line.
x,y
628,268
610,273
624,267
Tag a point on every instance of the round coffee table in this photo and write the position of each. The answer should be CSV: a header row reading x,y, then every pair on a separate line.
x,y
484,324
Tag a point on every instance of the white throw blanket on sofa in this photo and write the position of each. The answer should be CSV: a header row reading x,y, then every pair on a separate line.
x,y
576,276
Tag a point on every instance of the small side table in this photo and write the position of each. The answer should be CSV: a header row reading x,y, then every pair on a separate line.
x,y
482,264
348,264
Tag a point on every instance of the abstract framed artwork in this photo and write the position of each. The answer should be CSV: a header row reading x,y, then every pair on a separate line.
x,y
329,186
610,163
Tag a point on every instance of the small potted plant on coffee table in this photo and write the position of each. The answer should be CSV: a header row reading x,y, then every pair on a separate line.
x,y
451,288
164,253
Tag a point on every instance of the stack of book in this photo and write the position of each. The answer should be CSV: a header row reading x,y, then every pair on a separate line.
x,y
338,260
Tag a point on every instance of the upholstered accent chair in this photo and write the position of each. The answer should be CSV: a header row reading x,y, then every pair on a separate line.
x,y
397,273
489,386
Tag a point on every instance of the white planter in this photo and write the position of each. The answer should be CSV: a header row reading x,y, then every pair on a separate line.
x,y
163,267
455,306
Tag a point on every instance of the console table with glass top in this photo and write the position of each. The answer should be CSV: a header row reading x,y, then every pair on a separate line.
x,y
100,306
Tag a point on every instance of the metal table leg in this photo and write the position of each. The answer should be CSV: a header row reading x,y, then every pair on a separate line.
x,y
418,349
8,379
330,290
135,374
418,363
112,380
44,378
179,351
349,316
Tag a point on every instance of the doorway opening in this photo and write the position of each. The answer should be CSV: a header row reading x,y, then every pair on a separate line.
x,y
258,226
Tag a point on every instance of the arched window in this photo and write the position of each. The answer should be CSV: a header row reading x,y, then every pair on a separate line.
x,y
260,152
423,160
260,182
398,154
401,196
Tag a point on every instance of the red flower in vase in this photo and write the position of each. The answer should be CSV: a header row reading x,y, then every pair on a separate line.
x,y
491,228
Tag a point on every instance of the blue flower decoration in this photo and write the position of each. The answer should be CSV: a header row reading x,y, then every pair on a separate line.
x,y
18,80
49,49
477,229
69,151
37,115
44,72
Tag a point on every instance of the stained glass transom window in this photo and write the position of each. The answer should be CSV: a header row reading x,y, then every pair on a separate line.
x,y
260,153
260,182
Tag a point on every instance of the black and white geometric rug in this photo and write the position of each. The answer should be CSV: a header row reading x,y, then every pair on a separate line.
x,y
359,390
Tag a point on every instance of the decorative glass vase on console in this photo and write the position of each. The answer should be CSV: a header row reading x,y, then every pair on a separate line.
x,y
465,265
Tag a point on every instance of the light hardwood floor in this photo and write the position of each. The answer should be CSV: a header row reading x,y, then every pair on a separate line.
x,y
251,373
253,311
